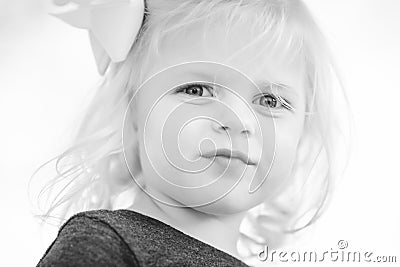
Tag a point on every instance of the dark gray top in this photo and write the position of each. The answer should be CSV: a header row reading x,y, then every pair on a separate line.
x,y
128,238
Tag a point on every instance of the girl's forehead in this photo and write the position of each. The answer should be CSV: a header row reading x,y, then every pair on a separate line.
x,y
256,56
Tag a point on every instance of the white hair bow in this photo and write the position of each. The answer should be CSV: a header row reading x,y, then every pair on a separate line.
x,y
112,24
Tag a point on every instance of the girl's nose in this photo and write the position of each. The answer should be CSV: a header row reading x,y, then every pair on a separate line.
x,y
223,128
235,118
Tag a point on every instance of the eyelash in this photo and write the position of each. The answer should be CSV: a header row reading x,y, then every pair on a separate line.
x,y
286,104
189,85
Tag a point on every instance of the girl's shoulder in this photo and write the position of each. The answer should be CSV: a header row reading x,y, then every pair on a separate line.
x,y
86,239
134,239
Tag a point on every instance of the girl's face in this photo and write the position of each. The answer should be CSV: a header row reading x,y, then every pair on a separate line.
x,y
184,119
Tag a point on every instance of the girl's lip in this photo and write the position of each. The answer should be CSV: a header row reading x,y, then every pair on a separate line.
x,y
223,152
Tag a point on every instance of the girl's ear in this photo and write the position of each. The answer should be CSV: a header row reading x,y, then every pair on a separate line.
x,y
135,126
131,142
131,138
133,118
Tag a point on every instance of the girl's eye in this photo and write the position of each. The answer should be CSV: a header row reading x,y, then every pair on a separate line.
x,y
196,89
269,101
275,102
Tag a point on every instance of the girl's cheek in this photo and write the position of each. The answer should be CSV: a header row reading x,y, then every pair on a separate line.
x,y
192,137
279,156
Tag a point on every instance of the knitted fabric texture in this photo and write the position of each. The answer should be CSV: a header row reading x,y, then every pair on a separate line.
x,y
128,238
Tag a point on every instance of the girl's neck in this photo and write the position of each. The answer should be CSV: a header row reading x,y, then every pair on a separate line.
x,y
221,232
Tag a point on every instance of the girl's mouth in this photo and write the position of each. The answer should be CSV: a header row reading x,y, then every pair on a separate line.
x,y
226,153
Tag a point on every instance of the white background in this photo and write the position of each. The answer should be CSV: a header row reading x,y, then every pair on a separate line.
x,y
47,73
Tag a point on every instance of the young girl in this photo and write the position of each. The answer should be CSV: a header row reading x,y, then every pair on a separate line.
x,y
214,132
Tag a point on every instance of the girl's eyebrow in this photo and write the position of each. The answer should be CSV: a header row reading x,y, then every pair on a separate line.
x,y
279,86
203,75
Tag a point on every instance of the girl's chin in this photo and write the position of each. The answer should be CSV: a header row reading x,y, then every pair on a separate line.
x,y
226,204
224,208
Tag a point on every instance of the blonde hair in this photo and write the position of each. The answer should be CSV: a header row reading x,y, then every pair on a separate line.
x,y
91,174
